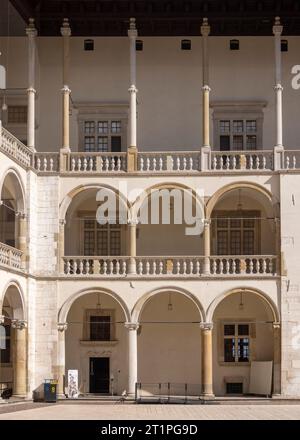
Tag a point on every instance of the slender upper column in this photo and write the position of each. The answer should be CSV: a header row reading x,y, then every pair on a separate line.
x,y
66,33
132,356
61,359
31,34
132,34
132,246
206,243
23,238
205,31
277,31
20,358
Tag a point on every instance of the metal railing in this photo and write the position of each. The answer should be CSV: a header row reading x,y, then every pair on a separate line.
x,y
167,392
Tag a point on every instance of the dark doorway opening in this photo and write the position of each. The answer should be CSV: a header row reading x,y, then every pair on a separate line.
x,y
99,375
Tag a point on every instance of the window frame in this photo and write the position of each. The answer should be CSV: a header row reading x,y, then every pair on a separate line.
x,y
88,313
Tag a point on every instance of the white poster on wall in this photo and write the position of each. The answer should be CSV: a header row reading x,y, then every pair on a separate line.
x,y
261,378
73,384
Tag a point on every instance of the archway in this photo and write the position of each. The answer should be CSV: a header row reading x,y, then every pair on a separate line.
x,y
13,370
95,342
169,342
245,330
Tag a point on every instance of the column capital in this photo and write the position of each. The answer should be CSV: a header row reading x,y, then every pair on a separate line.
x,y
31,90
18,324
278,87
206,222
132,222
132,31
30,29
2,318
62,221
65,29
276,325
206,325
132,89
277,28
206,88
66,89
205,28
132,325
62,326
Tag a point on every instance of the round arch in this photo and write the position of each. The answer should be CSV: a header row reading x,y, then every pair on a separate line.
x,y
138,203
141,302
21,203
214,199
65,308
17,298
67,200
214,304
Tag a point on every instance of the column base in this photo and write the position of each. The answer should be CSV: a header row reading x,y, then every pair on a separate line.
x,y
207,397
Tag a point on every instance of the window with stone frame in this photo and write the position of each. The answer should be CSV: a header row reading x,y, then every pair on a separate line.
x,y
99,325
238,126
102,135
236,232
17,114
101,240
236,342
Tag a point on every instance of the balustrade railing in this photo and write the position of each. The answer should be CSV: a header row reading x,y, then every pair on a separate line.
x,y
15,148
10,256
97,162
169,161
46,162
179,266
241,160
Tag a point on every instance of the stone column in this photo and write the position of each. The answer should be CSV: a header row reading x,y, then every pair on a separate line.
x,y
277,359
207,360
205,31
277,31
61,358
31,33
20,358
132,149
66,33
206,245
132,356
23,239
132,247
61,246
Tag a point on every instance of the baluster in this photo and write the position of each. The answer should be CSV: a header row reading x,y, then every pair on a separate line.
x,y
250,162
106,164
234,162
227,162
79,164
184,163
154,163
140,268
81,267
251,266
160,163
233,267
191,267
184,267
68,268
104,267
177,267
75,267
112,163
45,164
177,163
264,162
287,162
91,164
221,267
161,267
257,162
73,164
51,163
101,164
197,267
84,164
147,267
87,267
191,163
294,162
227,267
214,267
214,164
141,163
272,266
264,266
154,267
111,267
172,163
119,163
118,267
148,164
38,163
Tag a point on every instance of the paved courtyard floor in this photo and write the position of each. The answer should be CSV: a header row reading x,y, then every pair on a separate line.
x,y
111,411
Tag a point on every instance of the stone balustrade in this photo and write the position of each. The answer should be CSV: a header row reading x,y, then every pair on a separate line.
x,y
10,256
46,162
242,160
97,163
14,148
179,266
188,161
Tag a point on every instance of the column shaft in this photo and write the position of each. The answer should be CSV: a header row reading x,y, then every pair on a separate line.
x,y
207,367
23,239
31,33
205,31
277,31
277,359
206,244
132,247
20,363
132,357
61,359
61,246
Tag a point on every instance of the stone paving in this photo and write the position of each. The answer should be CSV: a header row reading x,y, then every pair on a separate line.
x,y
111,411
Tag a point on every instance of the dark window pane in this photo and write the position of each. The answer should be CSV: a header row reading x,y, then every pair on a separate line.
x,y
243,329
229,329
243,349
100,328
116,144
229,350
5,354
224,143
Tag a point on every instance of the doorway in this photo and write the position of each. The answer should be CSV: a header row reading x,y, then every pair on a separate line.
x,y
99,375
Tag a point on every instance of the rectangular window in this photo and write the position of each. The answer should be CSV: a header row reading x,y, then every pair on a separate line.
x,y
89,143
101,240
116,126
238,143
17,114
103,143
89,127
237,134
102,135
238,126
224,126
100,328
5,354
236,342
102,127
